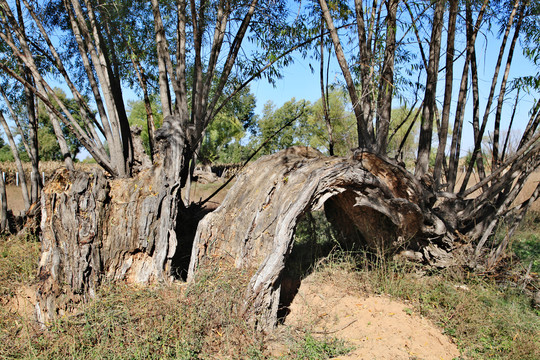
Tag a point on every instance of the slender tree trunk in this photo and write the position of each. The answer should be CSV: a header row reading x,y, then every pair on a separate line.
x,y
455,147
502,91
28,196
147,105
386,87
428,110
478,139
449,80
162,67
509,132
324,97
34,146
476,113
4,223
365,138
366,63
64,149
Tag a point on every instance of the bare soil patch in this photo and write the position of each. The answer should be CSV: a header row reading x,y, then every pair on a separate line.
x,y
22,302
376,326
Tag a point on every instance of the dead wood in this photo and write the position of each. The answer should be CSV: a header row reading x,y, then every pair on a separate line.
x,y
371,200
96,229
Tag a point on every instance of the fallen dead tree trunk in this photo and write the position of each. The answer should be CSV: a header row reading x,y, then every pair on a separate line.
x,y
371,200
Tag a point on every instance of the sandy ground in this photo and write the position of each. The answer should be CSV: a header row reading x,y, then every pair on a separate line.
x,y
376,326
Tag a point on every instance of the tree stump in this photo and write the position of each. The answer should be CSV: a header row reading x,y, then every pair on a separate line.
x,y
96,229
369,198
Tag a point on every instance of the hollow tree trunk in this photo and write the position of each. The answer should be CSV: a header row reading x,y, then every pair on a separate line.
x,y
254,227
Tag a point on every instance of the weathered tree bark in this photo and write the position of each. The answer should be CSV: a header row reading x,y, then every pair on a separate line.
x,y
96,229
386,85
380,204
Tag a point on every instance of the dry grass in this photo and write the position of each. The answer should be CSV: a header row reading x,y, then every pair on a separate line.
x,y
488,320
46,167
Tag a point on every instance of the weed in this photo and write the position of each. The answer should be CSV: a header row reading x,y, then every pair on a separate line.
x,y
314,348
526,245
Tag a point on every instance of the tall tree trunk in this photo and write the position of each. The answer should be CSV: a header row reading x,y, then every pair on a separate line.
x,y
449,80
33,145
476,113
428,110
478,139
509,132
365,138
28,196
455,147
147,105
386,87
502,91
4,223
324,96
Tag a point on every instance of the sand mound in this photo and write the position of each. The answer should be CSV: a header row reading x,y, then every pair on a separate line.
x,y
377,327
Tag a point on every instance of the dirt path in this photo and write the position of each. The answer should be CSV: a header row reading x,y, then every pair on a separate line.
x,y
377,327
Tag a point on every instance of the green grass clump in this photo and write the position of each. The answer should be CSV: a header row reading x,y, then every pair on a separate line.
x,y
526,244
314,348
201,320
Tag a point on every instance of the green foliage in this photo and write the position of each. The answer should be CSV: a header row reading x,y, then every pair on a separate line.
x,y
49,149
296,133
342,121
526,244
228,128
235,153
5,151
137,117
